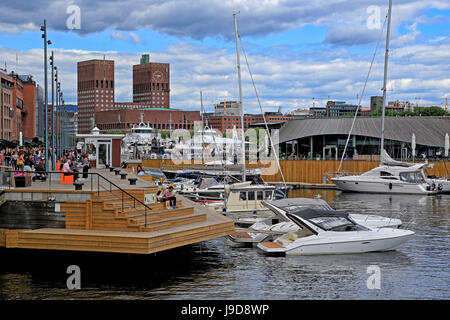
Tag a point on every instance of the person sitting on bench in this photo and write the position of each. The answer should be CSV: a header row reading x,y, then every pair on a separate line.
x,y
169,198
68,171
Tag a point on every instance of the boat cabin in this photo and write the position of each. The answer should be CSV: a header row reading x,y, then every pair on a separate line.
x,y
249,198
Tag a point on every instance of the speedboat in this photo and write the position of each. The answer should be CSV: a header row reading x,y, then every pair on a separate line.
x,y
332,232
389,179
274,226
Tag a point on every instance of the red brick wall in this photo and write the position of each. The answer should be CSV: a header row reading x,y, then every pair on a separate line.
x,y
115,161
159,119
29,104
92,95
150,82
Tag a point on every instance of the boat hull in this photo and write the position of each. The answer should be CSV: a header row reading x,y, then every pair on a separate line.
x,y
318,245
348,184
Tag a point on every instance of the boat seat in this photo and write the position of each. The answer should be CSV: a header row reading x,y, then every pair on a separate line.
x,y
292,236
283,242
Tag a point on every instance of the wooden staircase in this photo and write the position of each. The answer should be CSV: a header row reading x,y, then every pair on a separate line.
x,y
109,212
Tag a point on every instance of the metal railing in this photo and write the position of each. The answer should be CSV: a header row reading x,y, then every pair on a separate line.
x,y
46,176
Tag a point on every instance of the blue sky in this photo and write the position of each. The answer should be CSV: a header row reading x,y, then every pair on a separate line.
x,y
298,49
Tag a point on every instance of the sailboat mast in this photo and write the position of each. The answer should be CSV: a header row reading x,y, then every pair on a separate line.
x,y
386,59
240,96
203,123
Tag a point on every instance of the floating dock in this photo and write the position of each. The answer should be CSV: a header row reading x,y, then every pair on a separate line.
x,y
108,215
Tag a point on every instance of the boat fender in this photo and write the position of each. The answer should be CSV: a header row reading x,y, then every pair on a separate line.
x,y
390,186
433,186
440,186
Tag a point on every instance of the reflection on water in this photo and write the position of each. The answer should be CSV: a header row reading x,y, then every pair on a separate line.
x,y
213,270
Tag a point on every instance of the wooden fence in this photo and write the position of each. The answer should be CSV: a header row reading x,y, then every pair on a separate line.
x,y
306,171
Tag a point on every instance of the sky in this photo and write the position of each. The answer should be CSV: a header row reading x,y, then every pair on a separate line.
x,y
301,53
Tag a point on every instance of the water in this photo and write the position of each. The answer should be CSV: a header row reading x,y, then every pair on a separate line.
x,y
213,270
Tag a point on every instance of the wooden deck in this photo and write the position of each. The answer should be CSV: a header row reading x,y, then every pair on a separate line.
x,y
110,222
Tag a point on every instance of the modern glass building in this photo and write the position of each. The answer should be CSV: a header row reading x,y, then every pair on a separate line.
x,y
321,138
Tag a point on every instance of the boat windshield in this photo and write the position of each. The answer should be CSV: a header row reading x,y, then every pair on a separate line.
x,y
336,224
412,177
313,206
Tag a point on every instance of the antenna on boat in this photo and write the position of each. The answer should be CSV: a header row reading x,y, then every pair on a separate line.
x,y
240,94
201,110
386,59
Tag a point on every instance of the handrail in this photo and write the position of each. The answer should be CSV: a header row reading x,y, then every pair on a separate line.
x,y
98,186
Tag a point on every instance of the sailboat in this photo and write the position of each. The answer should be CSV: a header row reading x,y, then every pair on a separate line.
x,y
390,176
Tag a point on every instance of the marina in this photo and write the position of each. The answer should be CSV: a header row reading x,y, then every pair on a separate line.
x,y
132,193
417,270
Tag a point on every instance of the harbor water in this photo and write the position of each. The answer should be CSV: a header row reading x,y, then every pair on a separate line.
x,y
213,270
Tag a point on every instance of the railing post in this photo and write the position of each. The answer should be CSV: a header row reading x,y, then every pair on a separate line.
x,y
98,184
145,208
92,183
122,201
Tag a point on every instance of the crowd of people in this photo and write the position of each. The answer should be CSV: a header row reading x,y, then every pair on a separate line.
x,y
33,159
23,159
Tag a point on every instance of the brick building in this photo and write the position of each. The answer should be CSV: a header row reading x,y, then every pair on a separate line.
x,y
7,114
158,118
17,106
225,122
29,111
151,83
95,91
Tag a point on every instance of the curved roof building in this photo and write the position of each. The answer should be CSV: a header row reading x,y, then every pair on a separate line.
x,y
429,131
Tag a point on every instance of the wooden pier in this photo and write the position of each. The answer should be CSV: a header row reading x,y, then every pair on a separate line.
x,y
100,220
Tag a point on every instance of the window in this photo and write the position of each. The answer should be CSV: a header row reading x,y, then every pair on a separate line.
x,y
268,195
251,195
243,195
259,195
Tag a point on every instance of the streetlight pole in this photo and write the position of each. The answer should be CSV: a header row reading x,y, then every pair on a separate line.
x,y
52,65
56,117
61,101
55,80
44,35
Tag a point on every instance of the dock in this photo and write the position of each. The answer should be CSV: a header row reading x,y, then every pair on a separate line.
x,y
304,185
107,215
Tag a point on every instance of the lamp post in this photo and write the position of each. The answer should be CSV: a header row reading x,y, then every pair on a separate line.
x,y
54,117
60,122
46,42
52,65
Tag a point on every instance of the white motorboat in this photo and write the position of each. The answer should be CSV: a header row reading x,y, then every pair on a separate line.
x,y
274,226
333,232
390,177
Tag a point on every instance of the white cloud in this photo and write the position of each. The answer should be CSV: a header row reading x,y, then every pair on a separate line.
x,y
415,70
